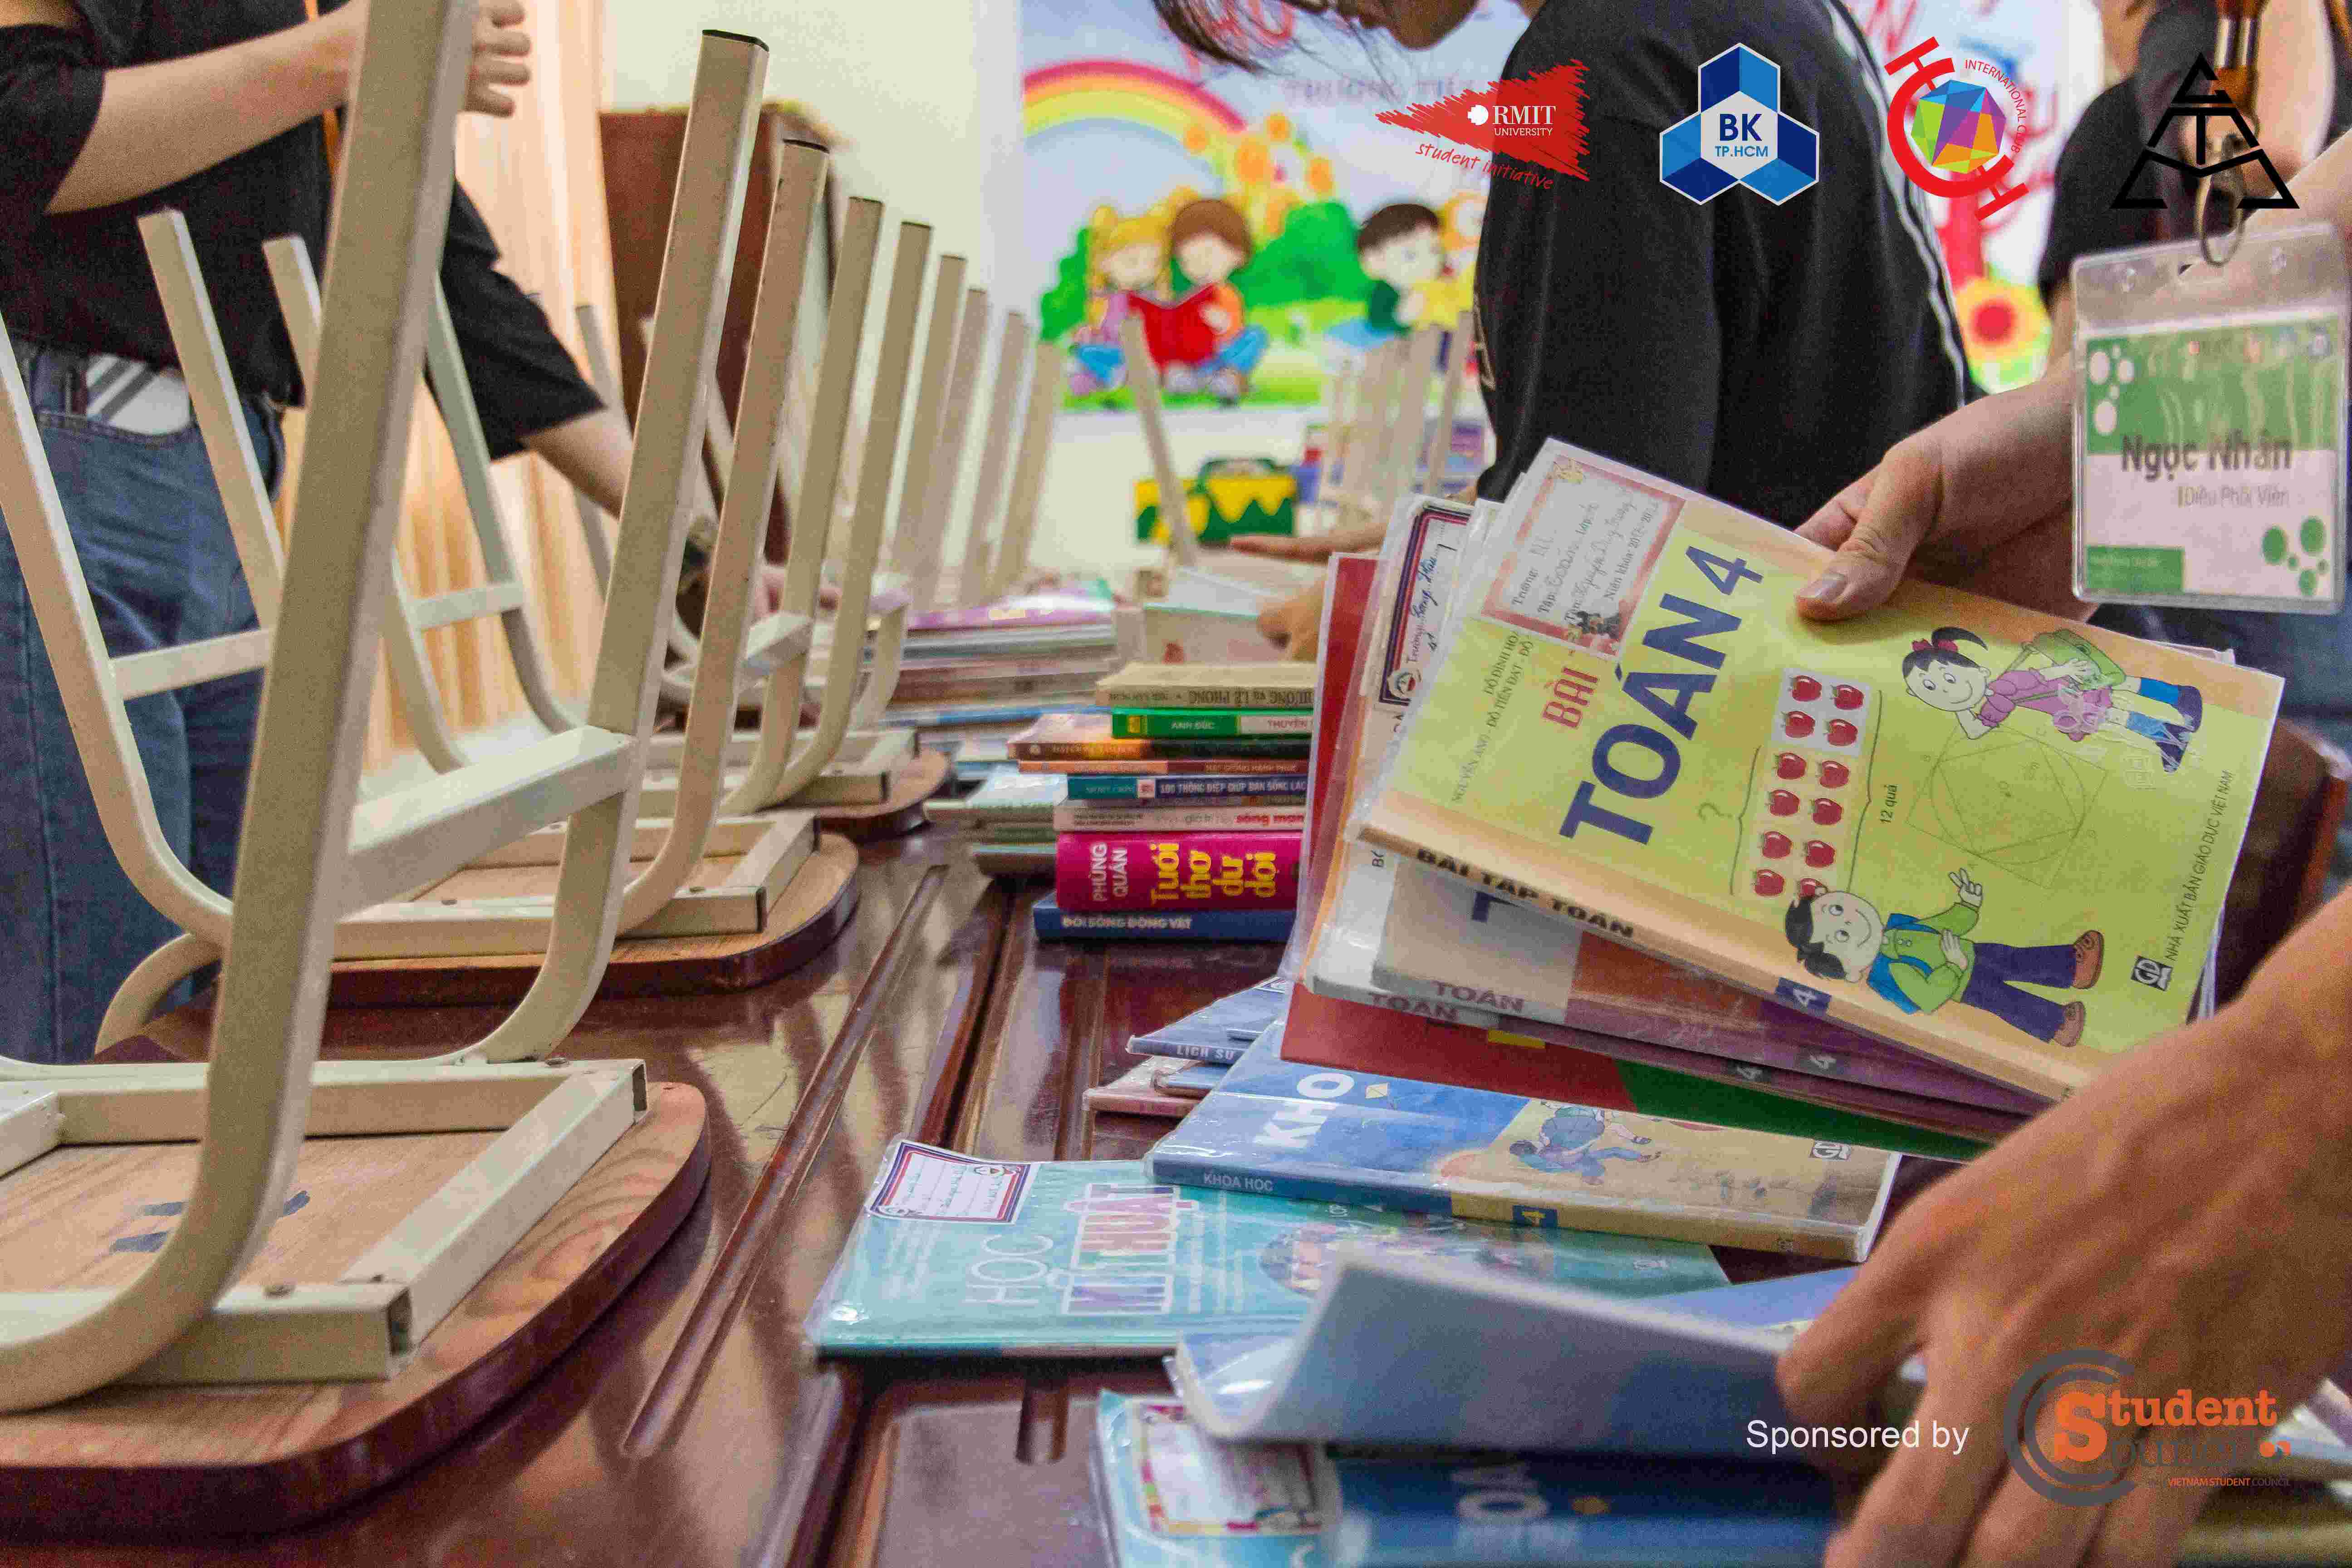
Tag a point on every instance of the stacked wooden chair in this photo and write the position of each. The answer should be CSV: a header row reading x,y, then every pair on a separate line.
x,y
700,878
314,851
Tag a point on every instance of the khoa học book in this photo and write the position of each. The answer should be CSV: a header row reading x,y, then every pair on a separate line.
x,y
1970,829
1287,1130
955,1255
1279,684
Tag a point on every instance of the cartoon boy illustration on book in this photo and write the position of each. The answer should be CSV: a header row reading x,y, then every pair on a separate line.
x,y
1566,1145
1400,248
1210,241
1921,964
2061,675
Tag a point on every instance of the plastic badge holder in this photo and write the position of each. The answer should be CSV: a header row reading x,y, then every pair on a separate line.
x,y
2210,425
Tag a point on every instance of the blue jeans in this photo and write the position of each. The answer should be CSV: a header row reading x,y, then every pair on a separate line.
x,y
156,549
1996,973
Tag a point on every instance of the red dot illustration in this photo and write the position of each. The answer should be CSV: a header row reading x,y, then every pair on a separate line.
x,y
1769,883
1805,689
1776,845
1782,802
1848,697
1826,811
1843,734
1799,725
1818,853
1835,774
1790,766
1811,889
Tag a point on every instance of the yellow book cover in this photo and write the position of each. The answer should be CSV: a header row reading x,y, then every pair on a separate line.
x,y
1990,834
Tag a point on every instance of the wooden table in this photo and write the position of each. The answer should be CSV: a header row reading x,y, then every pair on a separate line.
x,y
685,1429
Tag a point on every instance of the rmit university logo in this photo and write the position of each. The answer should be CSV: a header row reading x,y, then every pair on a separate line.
x,y
1739,137
2200,99
1948,133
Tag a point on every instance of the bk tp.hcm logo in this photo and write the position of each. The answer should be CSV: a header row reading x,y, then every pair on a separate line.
x,y
1739,137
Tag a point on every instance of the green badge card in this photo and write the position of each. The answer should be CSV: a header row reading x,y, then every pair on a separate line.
x,y
2209,425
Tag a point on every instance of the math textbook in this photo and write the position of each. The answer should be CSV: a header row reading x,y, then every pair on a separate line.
x,y
1175,871
1977,831
1283,1129
954,1255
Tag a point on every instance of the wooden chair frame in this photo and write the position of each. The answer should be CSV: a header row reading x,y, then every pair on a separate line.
x,y
1175,502
660,900
311,850
412,836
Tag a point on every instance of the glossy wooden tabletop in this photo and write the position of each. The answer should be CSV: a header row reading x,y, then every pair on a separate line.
x,y
686,1426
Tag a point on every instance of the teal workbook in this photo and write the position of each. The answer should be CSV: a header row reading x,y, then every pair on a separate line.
x,y
960,1255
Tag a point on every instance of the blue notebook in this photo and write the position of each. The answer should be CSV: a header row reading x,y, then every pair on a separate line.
x,y
1053,923
954,1255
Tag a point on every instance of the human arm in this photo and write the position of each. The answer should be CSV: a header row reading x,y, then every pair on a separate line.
x,y
1983,499
2190,1210
157,124
1929,991
1296,624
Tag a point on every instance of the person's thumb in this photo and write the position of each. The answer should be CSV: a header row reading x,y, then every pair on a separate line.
x,y
1874,524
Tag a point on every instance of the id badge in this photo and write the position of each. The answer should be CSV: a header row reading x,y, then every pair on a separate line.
x,y
2210,425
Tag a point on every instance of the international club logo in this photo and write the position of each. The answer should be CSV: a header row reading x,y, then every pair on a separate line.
x,y
1739,137
1952,133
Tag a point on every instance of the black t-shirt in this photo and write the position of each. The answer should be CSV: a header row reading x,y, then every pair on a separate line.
x,y
1765,355
2084,220
81,280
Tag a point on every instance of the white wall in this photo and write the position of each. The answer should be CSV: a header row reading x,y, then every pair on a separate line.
x,y
926,95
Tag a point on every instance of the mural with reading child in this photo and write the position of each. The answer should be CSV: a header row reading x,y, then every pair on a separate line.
x,y
1266,230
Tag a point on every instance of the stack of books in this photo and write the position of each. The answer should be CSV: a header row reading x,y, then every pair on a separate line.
x,y
1184,803
971,677
1006,824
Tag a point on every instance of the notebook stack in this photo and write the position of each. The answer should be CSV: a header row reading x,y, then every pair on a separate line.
x,y
1006,824
1184,803
971,677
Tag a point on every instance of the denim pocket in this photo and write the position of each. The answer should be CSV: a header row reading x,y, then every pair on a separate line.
x,y
82,424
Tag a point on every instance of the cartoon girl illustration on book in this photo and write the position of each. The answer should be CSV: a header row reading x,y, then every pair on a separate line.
x,y
1126,257
1921,964
2061,675
1564,1145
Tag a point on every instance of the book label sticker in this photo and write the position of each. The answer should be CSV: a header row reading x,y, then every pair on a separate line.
x,y
1582,542
1418,615
922,1183
1192,1486
2209,426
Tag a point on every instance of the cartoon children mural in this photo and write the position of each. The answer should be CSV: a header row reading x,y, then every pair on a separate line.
x,y
1921,964
1401,249
1210,241
2062,675
1126,258
1565,1144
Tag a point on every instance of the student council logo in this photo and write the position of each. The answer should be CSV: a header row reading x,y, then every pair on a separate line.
x,y
1952,133
2075,1437
1739,137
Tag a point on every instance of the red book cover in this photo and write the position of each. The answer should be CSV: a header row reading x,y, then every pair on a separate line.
x,y
1176,870
1178,333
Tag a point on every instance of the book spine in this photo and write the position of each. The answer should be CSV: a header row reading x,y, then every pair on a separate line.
x,y
1084,816
1208,724
1191,1050
1780,1040
1187,1170
1119,694
1285,787
1055,924
1148,871
1133,750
